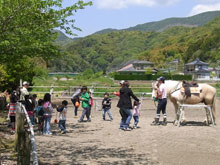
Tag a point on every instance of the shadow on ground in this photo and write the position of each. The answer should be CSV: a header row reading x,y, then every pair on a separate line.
x,y
92,153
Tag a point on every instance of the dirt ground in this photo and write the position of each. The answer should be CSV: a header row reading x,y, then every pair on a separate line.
x,y
102,142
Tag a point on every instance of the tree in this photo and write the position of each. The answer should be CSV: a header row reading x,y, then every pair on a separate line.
x,y
26,30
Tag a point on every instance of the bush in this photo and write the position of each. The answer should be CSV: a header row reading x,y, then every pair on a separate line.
x,y
151,77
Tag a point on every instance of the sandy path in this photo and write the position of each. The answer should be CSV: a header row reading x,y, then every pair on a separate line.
x,y
101,142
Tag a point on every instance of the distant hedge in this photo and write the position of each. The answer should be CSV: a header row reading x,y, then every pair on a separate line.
x,y
151,77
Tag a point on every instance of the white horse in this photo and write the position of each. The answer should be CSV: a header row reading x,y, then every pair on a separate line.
x,y
206,96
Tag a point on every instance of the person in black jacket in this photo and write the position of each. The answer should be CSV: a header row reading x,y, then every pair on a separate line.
x,y
125,105
106,106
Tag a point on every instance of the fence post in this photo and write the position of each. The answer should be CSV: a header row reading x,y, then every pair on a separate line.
x,y
22,141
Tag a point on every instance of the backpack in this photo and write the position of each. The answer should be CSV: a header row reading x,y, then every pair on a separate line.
x,y
91,101
60,109
40,111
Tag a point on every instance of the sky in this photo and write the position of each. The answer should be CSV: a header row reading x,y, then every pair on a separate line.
x,y
120,14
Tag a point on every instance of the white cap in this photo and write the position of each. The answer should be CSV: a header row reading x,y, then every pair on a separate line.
x,y
122,82
25,83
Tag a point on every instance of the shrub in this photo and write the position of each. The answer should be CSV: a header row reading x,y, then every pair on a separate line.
x,y
152,77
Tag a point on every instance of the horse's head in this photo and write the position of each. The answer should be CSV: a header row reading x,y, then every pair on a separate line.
x,y
154,90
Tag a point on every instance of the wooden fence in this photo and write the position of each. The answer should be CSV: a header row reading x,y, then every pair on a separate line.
x,y
25,140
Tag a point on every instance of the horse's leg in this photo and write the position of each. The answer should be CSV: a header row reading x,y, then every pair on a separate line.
x,y
208,119
176,106
214,110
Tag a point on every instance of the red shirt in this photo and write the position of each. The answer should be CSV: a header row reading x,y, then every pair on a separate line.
x,y
12,109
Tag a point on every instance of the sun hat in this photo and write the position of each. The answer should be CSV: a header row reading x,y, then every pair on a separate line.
x,y
25,83
122,82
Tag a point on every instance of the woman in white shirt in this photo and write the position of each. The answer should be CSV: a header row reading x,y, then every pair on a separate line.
x,y
162,102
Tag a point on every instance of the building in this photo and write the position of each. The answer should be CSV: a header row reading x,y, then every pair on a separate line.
x,y
215,74
137,68
199,69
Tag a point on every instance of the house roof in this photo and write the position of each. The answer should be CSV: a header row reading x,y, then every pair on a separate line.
x,y
197,62
130,68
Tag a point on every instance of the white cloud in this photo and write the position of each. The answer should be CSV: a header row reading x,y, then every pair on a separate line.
x,y
118,4
204,8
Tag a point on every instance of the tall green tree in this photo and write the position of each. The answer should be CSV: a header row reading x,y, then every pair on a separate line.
x,y
26,32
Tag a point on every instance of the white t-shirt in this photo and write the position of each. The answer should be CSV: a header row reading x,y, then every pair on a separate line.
x,y
24,92
62,115
163,90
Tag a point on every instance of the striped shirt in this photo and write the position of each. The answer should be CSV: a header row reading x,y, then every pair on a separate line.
x,y
12,109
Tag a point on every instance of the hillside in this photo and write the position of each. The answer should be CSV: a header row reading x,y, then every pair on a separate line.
x,y
109,50
194,21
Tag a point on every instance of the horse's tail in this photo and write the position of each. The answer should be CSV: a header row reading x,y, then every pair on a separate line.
x,y
214,107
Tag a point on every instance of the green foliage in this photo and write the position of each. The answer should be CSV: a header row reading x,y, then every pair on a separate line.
x,y
27,32
152,77
106,52
197,20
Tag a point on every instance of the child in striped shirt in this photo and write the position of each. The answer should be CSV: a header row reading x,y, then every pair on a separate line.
x,y
12,111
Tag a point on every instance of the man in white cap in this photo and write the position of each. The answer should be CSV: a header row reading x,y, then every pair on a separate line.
x,y
24,89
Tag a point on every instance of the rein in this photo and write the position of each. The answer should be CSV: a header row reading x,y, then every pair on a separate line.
x,y
176,89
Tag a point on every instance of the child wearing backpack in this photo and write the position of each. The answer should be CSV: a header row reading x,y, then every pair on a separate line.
x,y
48,110
40,115
62,116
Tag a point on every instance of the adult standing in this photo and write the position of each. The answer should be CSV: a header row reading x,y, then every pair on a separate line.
x,y
162,103
125,105
24,90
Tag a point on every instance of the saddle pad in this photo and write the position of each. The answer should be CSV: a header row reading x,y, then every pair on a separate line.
x,y
195,89
192,90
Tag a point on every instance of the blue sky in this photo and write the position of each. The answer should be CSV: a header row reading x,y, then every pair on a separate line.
x,y
120,14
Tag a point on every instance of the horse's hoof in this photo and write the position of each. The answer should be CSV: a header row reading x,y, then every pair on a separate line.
x,y
175,122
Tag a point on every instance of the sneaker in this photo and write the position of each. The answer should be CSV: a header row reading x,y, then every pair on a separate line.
x,y
80,121
135,127
127,129
164,123
64,132
89,120
155,122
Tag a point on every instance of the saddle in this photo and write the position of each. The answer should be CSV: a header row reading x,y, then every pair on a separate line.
x,y
190,88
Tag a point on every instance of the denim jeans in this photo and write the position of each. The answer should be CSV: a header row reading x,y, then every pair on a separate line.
x,y
86,111
62,125
106,110
47,125
75,111
127,116
161,107
136,120
123,118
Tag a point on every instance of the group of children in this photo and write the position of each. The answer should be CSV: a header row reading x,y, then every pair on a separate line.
x,y
40,112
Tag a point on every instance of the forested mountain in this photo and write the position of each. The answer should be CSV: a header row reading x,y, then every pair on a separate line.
x,y
106,51
193,21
